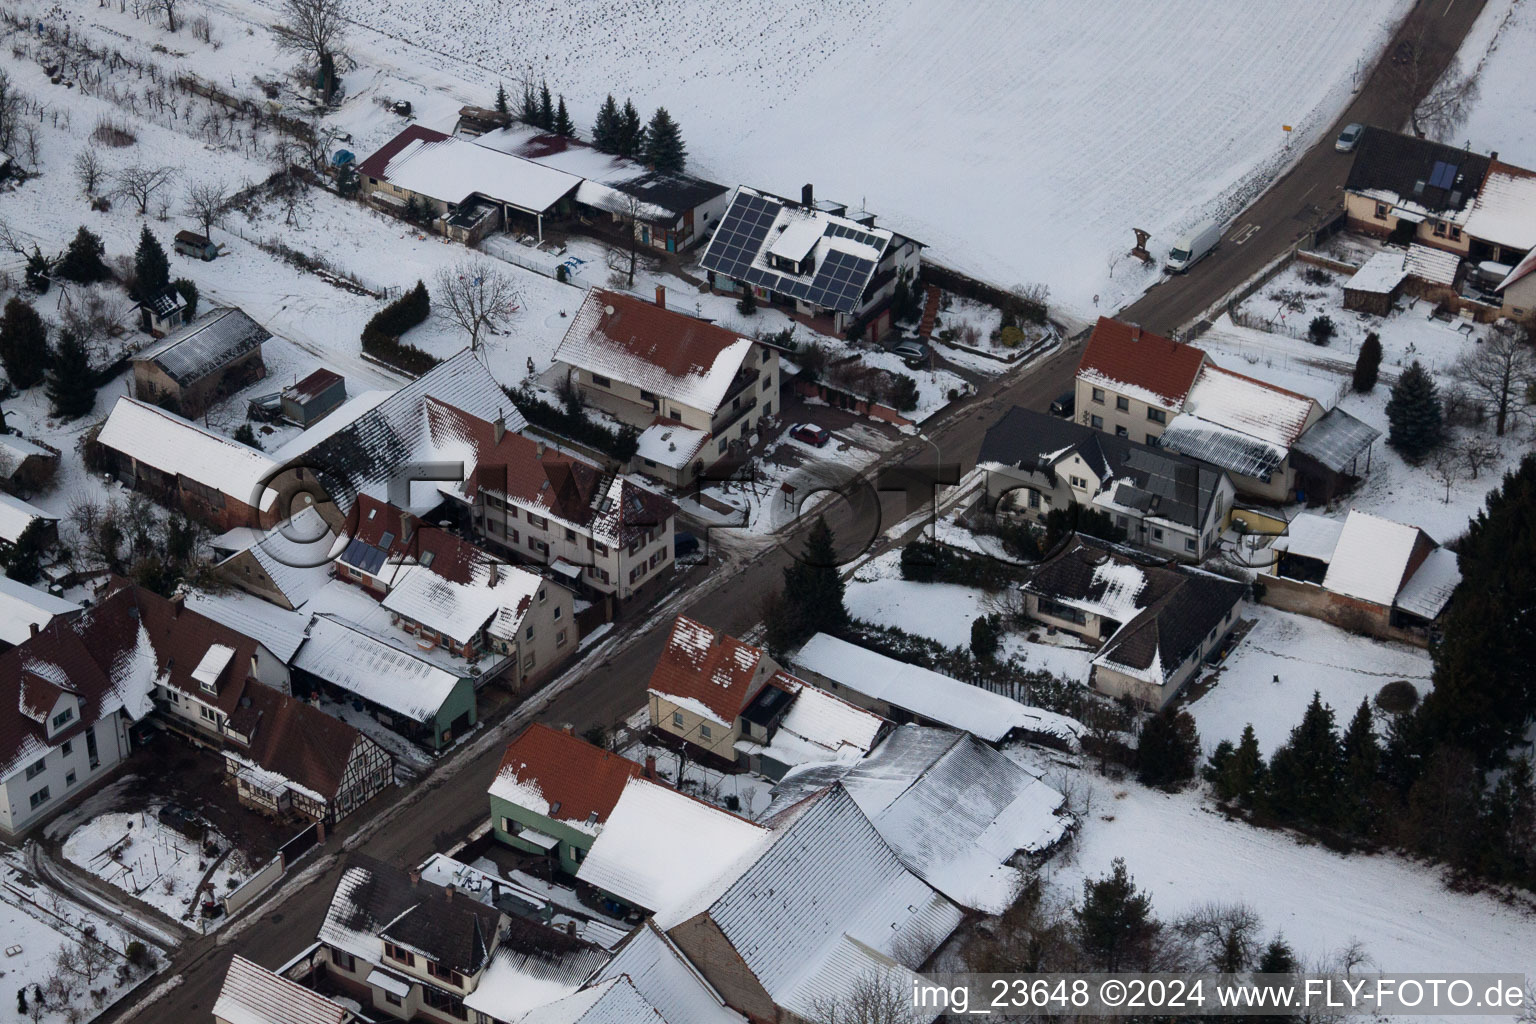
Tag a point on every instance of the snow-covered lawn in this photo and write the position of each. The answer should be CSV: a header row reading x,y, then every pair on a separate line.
x,y
750,791
1498,49
1270,676
153,863
940,611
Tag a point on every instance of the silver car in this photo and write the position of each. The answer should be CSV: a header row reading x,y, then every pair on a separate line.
x,y
1348,138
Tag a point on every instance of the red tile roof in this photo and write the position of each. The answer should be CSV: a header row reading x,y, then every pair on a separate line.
x,y
300,742
375,165
701,665
678,344
452,558
576,778
1122,353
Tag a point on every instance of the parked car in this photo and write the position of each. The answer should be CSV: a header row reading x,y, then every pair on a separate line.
x,y
1348,138
175,816
1065,405
913,353
1193,247
810,433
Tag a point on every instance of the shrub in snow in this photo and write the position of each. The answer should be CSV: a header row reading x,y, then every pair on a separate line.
x,y
1321,330
904,394
1368,364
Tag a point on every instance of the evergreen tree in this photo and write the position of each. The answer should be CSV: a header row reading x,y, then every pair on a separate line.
x,y
1168,749
246,435
151,270
1277,958
664,149
187,289
23,344
39,272
1510,825
1239,774
502,106
71,384
1076,518
1414,415
747,304
23,562
1368,363
82,262
563,125
546,108
812,599
608,126
529,114
985,638
1304,773
1361,756
631,132
1115,926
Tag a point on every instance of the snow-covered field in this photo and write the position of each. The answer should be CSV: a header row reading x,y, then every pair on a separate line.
x,y
1270,676
152,863
1499,49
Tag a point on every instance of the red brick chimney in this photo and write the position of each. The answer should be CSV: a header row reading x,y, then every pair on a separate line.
x,y
568,729
650,765
661,296
1135,332
415,876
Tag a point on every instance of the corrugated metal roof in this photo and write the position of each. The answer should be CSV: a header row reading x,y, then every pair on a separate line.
x,y
207,344
1336,440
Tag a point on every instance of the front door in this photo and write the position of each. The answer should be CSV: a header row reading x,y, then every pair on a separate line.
x,y
645,234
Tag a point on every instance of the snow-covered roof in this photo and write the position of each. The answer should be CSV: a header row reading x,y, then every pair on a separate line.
x,y
1381,274
295,554
1130,361
669,443
1310,536
660,847
1433,266
532,968
926,693
638,342
1429,589
1372,558
16,515
666,979
606,197
818,717
561,777
348,656
163,440
207,344
277,629
1505,208
453,169
709,673
496,598
1254,407
1524,267
251,994
1336,440
22,607
614,1001
1231,449
19,448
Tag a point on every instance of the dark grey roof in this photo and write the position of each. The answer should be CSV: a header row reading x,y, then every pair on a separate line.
x,y
165,302
677,192
457,932
1155,481
207,344
1336,440
1436,176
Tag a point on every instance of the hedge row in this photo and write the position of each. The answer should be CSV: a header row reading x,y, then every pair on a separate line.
x,y
618,444
381,335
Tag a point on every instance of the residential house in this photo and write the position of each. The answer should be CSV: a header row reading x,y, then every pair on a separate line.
x,y
406,947
26,466
1153,622
1502,226
535,968
307,401
1517,291
443,590
701,684
958,813
1131,382
19,518
818,259
663,976
1412,189
654,369
807,914
24,610
201,362
286,565
903,692
790,723
1365,573
1165,502
251,994
467,190
553,793
163,312
667,211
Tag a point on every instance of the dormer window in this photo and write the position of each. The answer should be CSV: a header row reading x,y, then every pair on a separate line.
x,y
63,718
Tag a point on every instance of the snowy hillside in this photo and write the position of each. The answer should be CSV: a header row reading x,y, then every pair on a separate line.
x,y
1022,141
1499,48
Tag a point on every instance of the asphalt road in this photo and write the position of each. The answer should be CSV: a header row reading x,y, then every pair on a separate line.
x,y
607,691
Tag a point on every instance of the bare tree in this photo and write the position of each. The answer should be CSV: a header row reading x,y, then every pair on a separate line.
x,y
315,28
1500,371
1446,468
206,202
475,297
1448,103
1477,453
12,104
872,998
167,8
1226,936
1428,80
140,182
89,171
623,256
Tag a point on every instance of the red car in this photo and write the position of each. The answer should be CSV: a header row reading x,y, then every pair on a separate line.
x,y
810,434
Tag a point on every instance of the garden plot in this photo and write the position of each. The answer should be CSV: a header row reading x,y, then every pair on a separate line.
x,y
155,864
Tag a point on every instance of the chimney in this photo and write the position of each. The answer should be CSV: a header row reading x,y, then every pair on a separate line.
x,y
661,296
1135,332
176,603
568,729
415,876
650,766
448,893
499,428
34,628
538,449
407,526
570,928
807,195
1494,155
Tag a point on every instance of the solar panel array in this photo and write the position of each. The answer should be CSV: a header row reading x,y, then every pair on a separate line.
x,y
838,283
1228,449
1443,175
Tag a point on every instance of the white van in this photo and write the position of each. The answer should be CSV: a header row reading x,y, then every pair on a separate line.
x,y
1193,247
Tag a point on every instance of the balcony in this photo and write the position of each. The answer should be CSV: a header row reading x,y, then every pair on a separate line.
x,y
724,420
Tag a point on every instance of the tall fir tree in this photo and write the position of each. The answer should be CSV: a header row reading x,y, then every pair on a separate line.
x,y
503,107
1414,416
529,112
608,126
1242,776
71,384
1361,757
1115,926
1304,773
1168,749
664,149
151,270
23,344
546,108
812,599
563,126
82,262
1368,364
631,132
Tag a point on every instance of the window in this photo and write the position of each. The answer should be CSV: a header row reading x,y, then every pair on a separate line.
x,y
601,549
67,748
647,396
721,447
767,406
570,534
655,559
1079,482
538,522
634,573
34,770
1381,211
1122,432
1157,533
560,638
1121,522
1056,610
69,778
578,854
556,616
1189,543
1097,422
704,731
208,687
391,999
528,662
536,545
63,718
601,381
677,719
1157,415
1034,498
1122,403
403,956
346,961
1455,234
90,747
449,1004
529,634
446,974
1098,395
1151,439
543,596
39,798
